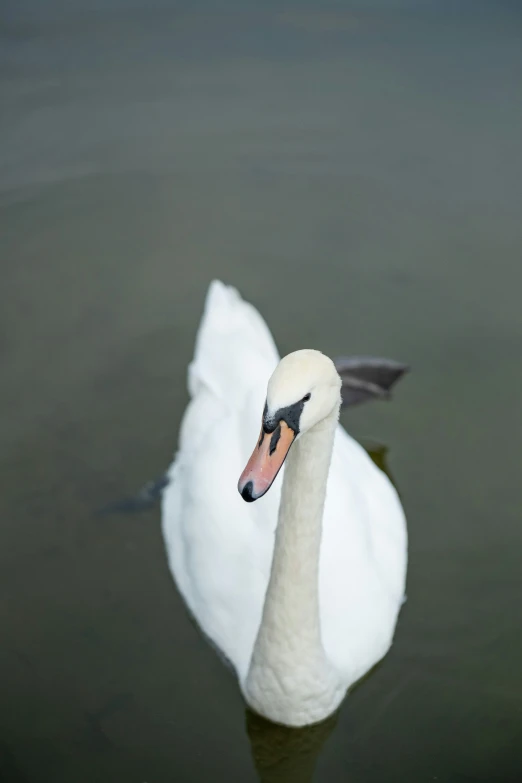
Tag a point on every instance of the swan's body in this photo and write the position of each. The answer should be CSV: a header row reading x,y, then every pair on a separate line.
x,y
302,621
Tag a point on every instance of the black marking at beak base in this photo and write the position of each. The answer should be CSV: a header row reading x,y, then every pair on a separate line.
x,y
291,415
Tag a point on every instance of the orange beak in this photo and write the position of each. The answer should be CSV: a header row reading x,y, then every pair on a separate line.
x,y
266,462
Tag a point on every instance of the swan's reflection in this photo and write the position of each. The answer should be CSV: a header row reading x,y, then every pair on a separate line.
x,y
285,755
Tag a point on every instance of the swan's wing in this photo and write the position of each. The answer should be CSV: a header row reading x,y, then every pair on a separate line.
x,y
234,347
234,357
219,547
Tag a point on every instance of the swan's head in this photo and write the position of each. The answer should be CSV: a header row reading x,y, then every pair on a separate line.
x,y
304,389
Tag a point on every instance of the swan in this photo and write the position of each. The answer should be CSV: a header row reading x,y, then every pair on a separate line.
x,y
300,590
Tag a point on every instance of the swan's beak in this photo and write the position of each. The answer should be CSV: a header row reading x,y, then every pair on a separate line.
x,y
265,462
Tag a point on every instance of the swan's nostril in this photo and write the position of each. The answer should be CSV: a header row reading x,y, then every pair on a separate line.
x,y
247,491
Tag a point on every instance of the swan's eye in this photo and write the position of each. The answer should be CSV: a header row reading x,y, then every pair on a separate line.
x,y
306,397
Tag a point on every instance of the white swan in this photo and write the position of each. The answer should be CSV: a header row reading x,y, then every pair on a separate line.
x,y
304,613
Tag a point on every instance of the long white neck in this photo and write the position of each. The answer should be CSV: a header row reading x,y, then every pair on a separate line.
x,y
290,679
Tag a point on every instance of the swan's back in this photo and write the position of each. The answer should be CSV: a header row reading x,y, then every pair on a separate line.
x,y
220,548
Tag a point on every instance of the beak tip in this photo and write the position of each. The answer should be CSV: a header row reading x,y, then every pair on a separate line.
x,y
247,492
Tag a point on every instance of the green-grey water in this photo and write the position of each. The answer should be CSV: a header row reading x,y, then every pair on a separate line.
x,y
356,171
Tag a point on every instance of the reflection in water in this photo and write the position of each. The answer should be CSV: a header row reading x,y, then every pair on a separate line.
x,y
286,755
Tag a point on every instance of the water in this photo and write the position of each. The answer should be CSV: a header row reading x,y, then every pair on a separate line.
x,y
356,172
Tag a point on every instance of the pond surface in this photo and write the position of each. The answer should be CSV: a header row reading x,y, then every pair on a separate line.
x,y
366,157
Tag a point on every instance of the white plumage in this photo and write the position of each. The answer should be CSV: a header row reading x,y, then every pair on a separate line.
x,y
220,549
